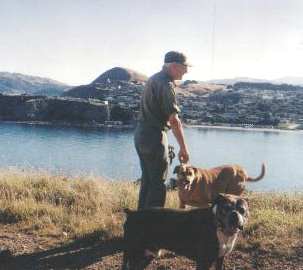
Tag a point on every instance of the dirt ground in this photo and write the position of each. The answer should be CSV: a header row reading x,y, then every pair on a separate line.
x,y
31,251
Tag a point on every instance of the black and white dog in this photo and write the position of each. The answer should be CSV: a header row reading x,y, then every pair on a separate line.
x,y
204,235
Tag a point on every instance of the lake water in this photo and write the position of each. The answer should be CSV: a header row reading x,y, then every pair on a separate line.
x,y
111,154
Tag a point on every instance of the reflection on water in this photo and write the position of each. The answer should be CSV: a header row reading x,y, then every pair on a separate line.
x,y
111,153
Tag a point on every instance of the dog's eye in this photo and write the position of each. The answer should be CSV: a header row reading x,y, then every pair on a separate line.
x,y
241,210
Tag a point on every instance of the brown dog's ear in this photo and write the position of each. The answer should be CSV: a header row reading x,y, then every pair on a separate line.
x,y
177,169
216,200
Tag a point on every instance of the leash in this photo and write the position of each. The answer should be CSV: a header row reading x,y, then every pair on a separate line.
x,y
171,154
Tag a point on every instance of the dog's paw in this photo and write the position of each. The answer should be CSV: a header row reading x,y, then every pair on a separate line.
x,y
162,253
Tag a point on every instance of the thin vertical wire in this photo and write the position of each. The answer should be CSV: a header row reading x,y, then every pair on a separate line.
x,y
213,41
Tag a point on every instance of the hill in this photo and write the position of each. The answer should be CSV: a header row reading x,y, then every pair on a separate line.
x,y
193,88
232,81
266,86
17,84
118,82
114,82
295,81
290,80
120,74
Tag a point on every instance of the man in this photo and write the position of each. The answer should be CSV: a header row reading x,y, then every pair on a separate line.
x,y
159,113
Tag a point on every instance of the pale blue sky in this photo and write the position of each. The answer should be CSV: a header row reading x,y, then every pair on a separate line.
x,y
74,41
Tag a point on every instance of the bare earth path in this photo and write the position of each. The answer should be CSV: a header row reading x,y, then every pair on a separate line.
x,y
36,252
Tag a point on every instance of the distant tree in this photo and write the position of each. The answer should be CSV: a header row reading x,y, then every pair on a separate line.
x,y
265,107
118,113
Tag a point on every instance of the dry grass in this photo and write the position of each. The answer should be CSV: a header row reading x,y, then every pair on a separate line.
x,y
56,203
50,204
276,220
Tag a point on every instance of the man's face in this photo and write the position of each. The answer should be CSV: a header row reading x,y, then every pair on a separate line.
x,y
179,70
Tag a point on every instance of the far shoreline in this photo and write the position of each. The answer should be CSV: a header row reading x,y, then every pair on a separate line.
x,y
132,126
227,127
70,125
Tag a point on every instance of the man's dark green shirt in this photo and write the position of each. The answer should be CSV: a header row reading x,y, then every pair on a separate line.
x,y
158,101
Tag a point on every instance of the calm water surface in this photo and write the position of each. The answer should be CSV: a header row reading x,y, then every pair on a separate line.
x,y
111,153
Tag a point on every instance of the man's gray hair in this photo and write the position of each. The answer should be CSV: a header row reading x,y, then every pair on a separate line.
x,y
166,66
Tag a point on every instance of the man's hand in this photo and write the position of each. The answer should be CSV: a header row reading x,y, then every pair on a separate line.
x,y
177,129
183,155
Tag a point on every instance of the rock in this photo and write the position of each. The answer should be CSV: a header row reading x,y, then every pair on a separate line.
x,y
53,109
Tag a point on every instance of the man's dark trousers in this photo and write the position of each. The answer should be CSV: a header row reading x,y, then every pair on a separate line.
x,y
152,148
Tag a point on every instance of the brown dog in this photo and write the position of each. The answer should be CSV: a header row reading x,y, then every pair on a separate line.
x,y
199,187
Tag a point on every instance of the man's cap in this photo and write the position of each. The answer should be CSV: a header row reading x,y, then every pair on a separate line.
x,y
176,57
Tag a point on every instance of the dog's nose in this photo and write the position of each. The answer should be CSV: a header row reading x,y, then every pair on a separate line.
x,y
236,219
234,216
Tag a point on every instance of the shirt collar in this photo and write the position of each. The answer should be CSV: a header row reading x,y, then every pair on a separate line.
x,y
166,74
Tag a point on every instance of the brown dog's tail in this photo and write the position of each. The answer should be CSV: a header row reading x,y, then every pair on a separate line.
x,y
250,179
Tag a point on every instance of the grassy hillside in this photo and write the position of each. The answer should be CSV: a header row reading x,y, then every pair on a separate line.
x,y
48,204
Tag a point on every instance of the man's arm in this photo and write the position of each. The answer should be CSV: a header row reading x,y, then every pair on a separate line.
x,y
177,129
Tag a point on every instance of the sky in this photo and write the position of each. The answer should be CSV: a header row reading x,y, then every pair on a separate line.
x,y
74,41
